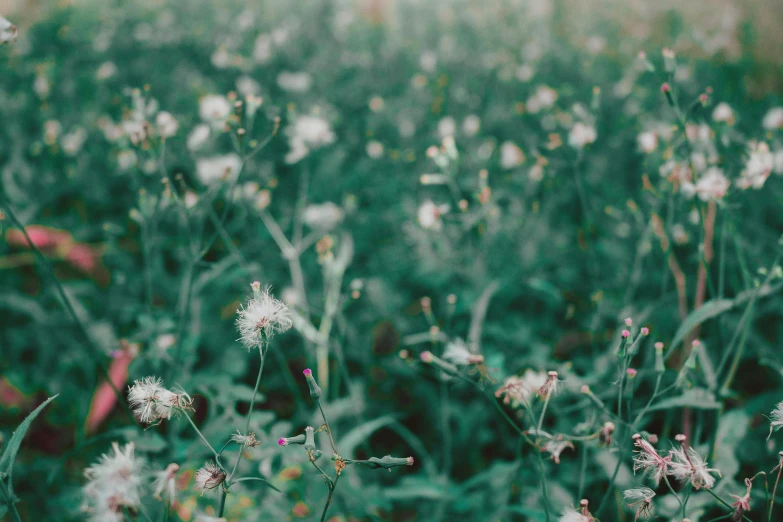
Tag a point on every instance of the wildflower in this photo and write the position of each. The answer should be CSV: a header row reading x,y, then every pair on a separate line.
x,y
457,352
742,504
712,185
605,435
631,372
208,477
307,133
471,125
248,441
8,31
666,88
114,484
581,134
324,216
446,127
428,60
543,98
315,390
374,149
626,334
151,402
649,461
641,500
136,131
198,136
166,124
212,169
556,447
723,113
214,109
294,81
569,515
261,318
549,388
429,215
511,155
73,141
758,168
773,120
426,357
776,419
647,141
688,465
166,484
285,441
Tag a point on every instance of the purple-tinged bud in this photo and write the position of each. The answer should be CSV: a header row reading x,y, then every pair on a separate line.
x,y
315,390
427,357
285,441
665,87
309,443
631,373
645,331
628,321
626,334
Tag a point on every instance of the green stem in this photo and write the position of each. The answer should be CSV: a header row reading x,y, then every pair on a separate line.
x,y
682,506
329,497
10,503
328,429
774,491
543,412
726,504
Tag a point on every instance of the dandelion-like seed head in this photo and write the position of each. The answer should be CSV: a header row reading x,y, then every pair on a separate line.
x,y
688,466
775,419
208,477
165,483
247,441
641,500
151,402
649,461
262,317
114,483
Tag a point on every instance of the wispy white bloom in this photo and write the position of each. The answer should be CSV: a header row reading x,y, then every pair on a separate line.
x,y
569,515
429,215
511,155
428,61
447,127
641,500
581,134
136,131
773,120
471,125
723,113
212,169
126,159
294,81
198,136
649,461
688,465
166,123
307,133
775,419
151,402
262,315
106,71
208,477
711,186
758,168
647,141
457,352
374,149
114,484
247,86
323,216
518,390
73,141
165,486
248,441
214,109
8,31
543,98
556,447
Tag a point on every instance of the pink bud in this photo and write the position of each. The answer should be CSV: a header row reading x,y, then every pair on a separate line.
x,y
307,372
666,87
410,461
626,333
585,388
281,442
659,345
426,357
255,285
645,331
680,438
628,321
695,343
631,372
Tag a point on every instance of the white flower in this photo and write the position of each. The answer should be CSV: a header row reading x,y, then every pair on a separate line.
x,y
208,477
262,316
518,390
471,125
429,215
151,402
221,58
543,98
294,81
214,109
457,352
776,419
248,441
106,71
198,136
581,134
324,216
758,168
712,185
648,141
569,515
510,155
167,125
641,500
114,483
8,31
212,169
556,447
247,86
73,141
688,465
306,133
126,159
723,113
447,127
374,149
165,485
428,60
649,461
136,131
262,48
773,120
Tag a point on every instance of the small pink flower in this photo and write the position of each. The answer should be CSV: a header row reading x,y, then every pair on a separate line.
x,y
628,321
427,357
281,441
666,87
626,333
307,372
410,461
631,372
645,331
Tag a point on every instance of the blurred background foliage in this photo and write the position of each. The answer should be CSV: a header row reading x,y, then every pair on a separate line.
x,y
559,250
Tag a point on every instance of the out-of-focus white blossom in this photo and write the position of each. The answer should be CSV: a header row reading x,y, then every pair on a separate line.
x,y
165,485
307,133
723,113
221,58
126,159
581,134
106,71
471,125
114,484
447,127
323,216
262,317
262,48
136,131
214,109
374,149
294,81
457,352
543,98
247,86
569,515
73,141
711,186
198,136
758,168
647,141
511,155
428,61
166,123
773,120
212,169
429,215
8,31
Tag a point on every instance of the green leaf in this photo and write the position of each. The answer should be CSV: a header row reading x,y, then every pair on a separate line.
x,y
9,455
697,398
360,433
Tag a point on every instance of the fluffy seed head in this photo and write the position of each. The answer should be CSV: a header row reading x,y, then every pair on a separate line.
x,y
208,477
151,402
114,484
262,317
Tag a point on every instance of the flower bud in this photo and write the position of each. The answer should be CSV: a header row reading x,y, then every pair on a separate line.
x,y
285,441
309,443
660,367
389,462
315,390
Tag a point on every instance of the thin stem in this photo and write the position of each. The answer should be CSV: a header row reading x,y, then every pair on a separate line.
x,y
328,429
329,498
203,439
774,492
682,506
10,503
726,504
543,412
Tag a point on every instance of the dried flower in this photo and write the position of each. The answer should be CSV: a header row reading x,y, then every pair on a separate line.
x,y
248,441
742,504
262,317
208,477
649,461
550,387
605,435
151,402
114,484
641,500
581,134
215,110
688,465
556,447
215,168
166,484
776,419
307,133
457,352
166,124
758,167
429,215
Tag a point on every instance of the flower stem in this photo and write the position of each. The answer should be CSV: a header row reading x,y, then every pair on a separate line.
x,y
10,503
774,491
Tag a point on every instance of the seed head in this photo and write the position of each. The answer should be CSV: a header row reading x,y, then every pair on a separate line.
x,y
208,477
262,317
